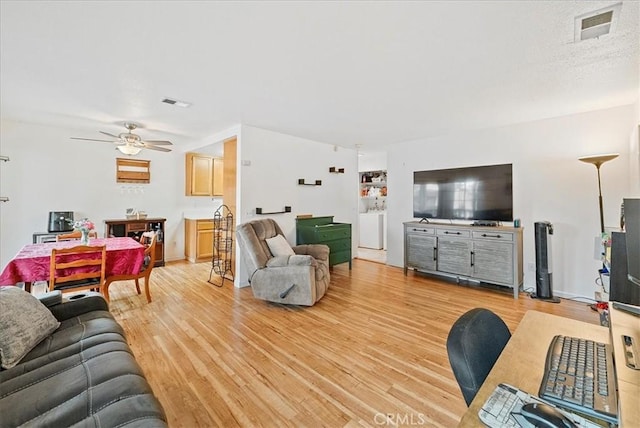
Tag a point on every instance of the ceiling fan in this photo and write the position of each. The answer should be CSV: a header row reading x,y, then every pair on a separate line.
x,y
130,143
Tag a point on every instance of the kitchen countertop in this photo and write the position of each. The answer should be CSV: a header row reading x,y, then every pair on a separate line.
x,y
198,215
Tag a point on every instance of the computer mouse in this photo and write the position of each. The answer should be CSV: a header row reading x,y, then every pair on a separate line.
x,y
544,416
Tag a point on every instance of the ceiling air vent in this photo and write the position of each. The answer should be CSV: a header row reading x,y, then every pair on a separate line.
x,y
176,102
598,23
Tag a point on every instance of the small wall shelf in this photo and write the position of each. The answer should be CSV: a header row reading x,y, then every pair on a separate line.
x,y
133,171
302,183
286,210
336,170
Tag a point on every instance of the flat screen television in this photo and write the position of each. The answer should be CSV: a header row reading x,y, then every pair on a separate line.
x,y
471,193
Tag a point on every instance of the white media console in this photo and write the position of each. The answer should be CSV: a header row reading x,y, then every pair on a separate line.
x,y
486,254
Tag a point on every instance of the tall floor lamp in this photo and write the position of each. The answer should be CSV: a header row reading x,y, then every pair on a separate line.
x,y
598,160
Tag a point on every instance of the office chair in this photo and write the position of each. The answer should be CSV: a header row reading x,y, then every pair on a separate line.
x,y
474,344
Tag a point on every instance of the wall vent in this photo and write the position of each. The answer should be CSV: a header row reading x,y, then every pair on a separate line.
x,y
176,102
596,24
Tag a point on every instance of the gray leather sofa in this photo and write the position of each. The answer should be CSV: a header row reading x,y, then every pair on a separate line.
x,y
83,374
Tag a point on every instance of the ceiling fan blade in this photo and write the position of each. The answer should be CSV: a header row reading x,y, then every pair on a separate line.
x,y
160,149
92,139
110,135
159,142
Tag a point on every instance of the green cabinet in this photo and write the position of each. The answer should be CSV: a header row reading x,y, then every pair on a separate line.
x,y
322,230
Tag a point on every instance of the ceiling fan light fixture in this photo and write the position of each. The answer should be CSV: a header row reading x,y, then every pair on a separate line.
x,y
129,150
131,144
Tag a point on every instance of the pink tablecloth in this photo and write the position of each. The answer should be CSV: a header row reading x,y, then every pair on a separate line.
x,y
124,257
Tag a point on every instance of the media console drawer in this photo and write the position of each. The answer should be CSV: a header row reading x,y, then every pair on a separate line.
x,y
422,230
498,236
453,233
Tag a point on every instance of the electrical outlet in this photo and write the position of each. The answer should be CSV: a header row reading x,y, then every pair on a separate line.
x,y
602,296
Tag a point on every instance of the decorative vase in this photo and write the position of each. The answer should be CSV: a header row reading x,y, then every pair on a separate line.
x,y
84,237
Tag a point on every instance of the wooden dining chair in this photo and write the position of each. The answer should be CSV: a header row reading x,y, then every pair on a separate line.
x,y
74,235
148,239
77,268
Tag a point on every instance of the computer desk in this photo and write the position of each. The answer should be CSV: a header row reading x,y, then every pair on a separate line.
x,y
521,363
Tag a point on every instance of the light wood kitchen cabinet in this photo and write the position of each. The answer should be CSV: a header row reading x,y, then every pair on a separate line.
x,y
203,175
198,240
218,173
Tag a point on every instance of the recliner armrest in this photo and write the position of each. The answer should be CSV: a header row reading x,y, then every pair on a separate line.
x,y
297,260
72,308
317,251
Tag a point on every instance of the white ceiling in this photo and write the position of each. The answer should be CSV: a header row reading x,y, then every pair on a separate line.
x,y
345,73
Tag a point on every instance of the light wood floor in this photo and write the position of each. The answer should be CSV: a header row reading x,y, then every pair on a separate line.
x,y
374,345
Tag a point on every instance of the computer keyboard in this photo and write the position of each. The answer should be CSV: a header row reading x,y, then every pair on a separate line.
x,y
502,409
579,375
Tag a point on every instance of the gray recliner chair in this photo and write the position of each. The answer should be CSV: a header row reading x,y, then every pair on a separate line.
x,y
300,279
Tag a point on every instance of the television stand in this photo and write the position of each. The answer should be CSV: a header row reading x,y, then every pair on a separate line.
x,y
486,223
483,254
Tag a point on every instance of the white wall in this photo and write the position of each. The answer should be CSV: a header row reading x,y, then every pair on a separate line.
x,y
270,182
634,156
48,171
375,161
549,184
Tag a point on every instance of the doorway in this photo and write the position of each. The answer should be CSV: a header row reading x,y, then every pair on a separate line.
x,y
372,207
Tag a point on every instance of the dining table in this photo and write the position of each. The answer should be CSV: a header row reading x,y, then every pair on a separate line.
x,y
124,256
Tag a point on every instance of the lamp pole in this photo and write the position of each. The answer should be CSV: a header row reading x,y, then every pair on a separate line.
x,y
597,161
600,200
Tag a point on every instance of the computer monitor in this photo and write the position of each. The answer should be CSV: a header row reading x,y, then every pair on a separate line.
x,y
632,228
625,261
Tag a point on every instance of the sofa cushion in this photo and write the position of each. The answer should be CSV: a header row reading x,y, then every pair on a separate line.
x,y
24,323
105,388
82,375
80,333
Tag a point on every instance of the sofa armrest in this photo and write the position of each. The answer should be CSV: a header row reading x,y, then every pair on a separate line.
x,y
50,298
72,308
317,251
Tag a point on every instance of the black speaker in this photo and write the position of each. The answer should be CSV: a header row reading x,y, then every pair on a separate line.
x,y
544,272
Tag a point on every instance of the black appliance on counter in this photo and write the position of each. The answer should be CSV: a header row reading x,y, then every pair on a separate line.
x,y
60,221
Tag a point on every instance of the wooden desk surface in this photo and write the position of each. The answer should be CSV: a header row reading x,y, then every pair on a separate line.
x,y
628,379
521,363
